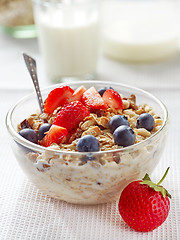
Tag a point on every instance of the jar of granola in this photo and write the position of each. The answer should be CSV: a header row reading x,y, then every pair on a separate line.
x,y
16,18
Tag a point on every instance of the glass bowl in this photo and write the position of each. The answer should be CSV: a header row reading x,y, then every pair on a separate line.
x,y
102,178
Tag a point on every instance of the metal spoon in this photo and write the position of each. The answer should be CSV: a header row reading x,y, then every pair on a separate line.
x,y
31,66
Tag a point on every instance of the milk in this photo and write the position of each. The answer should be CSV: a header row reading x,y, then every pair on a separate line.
x,y
68,41
139,31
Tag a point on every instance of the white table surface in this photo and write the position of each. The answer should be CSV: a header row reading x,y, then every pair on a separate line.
x,y
26,213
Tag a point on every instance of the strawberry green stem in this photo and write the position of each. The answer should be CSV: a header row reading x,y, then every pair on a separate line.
x,y
163,176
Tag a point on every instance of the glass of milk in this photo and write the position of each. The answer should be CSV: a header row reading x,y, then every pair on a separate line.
x,y
140,30
68,33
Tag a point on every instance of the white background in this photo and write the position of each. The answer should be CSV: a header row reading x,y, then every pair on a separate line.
x,y
26,213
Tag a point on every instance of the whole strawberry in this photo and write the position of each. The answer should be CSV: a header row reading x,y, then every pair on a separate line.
x,y
144,205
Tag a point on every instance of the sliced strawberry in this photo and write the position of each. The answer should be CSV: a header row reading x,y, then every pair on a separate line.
x,y
55,134
71,115
57,97
77,95
92,99
70,136
113,99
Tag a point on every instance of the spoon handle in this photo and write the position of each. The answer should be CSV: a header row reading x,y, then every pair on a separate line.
x,y
31,66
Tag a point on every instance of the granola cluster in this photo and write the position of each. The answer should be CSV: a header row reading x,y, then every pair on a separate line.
x,y
97,124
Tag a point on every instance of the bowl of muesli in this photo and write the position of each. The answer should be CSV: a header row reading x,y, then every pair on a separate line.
x,y
90,141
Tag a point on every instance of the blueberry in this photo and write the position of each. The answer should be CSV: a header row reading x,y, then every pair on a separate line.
x,y
146,121
43,129
102,90
124,136
88,143
116,121
29,134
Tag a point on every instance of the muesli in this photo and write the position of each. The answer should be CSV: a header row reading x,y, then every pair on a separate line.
x,y
93,123
94,120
